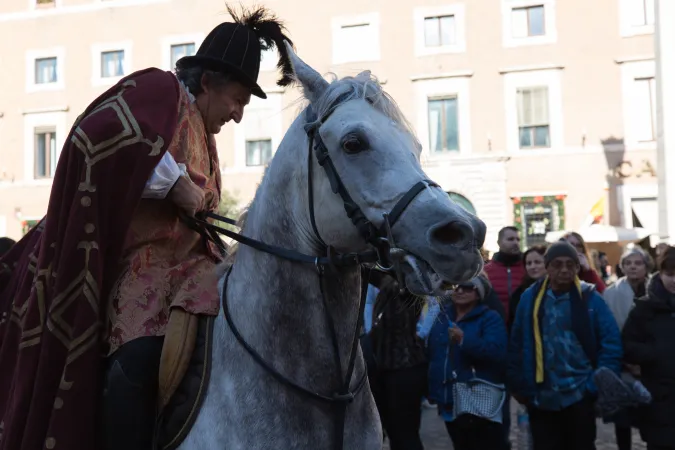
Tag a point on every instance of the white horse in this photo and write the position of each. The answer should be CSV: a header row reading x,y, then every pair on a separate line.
x,y
277,304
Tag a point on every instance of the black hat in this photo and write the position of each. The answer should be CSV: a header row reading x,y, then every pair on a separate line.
x,y
236,48
558,249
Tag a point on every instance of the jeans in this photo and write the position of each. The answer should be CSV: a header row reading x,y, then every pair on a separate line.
x,y
129,406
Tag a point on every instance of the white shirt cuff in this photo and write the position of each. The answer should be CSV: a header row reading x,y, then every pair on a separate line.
x,y
163,178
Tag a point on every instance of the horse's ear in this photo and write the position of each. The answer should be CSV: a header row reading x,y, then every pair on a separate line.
x,y
313,84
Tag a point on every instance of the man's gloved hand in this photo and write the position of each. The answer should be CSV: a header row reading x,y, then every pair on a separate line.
x,y
187,196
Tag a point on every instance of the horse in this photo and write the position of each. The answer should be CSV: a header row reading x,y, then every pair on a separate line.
x,y
277,306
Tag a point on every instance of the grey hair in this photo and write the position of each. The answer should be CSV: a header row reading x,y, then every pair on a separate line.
x,y
649,262
363,86
192,78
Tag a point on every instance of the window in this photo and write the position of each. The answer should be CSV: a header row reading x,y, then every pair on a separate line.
x,y
112,64
645,114
528,21
439,31
180,50
642,13
356,39
443,124
44,153
259,133
45,70
259,152
638,85
636,17
533,121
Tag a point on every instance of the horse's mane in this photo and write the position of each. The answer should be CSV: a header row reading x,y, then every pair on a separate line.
x,y
365,86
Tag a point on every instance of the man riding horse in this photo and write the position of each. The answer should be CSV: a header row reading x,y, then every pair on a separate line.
x,y
91,289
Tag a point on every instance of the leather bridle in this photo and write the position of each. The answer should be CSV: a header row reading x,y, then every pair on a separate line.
x,y
380,238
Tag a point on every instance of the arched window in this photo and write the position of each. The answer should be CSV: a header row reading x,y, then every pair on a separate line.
x,y
462,201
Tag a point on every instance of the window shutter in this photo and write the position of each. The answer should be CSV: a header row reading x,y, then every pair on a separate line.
x,y
532,104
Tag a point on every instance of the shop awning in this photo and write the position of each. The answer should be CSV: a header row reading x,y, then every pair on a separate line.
x,y
647,212
604,233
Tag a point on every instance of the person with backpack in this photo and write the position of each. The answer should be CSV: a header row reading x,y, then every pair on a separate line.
x,y
562,333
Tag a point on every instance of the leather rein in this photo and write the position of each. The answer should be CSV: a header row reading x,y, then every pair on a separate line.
x,y
380,238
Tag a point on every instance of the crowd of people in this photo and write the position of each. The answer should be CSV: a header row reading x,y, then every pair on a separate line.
x,y
546,327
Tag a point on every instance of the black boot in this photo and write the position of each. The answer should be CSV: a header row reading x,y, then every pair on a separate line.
x,y
129,406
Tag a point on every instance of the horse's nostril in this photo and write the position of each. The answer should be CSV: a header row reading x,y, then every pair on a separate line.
x,y
454,233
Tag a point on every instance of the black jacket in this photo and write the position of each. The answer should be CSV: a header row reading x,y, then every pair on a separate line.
x,y
649,341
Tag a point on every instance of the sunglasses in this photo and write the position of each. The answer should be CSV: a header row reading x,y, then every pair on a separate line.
x,y
465,288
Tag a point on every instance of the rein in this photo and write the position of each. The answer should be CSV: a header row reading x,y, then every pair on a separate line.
x,y
380,238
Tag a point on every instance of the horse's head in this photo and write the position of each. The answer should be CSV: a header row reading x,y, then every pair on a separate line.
x,y
375,155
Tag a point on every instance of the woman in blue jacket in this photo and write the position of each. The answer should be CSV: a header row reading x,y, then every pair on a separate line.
x,y
468,342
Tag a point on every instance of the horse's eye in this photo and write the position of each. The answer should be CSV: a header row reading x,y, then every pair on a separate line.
x,y
353,145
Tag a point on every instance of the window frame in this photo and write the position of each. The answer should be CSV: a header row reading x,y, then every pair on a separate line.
x,y
273,104
168,41
631,71
56,120
31,69
550,26
97,61
49,172
532,127
338,23
421,14
626,27
552,79
36,5
444,98
458,86
259,149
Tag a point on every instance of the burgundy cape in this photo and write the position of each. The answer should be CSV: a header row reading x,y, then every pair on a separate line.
x,y
54,283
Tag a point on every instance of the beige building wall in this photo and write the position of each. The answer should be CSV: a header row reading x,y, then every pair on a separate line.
x,y
588,58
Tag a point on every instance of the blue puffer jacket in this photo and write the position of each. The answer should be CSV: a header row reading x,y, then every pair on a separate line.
x,y
483,348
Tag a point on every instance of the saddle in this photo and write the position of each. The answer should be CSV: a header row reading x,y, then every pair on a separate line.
x,y
184,373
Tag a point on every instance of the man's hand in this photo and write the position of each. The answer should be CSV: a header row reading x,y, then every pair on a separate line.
x,y
187,196
455,334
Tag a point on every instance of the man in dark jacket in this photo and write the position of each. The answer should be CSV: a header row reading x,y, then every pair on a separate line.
x,y
506,269
649,341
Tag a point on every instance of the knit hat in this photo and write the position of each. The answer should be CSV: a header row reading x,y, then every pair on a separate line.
x,y
477,284
560,249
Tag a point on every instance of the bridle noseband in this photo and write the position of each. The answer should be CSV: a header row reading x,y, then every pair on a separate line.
x,y
380,238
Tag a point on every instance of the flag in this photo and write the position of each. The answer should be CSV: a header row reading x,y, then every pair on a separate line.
x,y
597,213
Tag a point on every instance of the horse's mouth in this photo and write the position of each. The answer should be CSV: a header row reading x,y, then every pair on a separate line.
x,y
421,279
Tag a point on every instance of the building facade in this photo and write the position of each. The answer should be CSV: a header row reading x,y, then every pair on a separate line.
x,y
529,111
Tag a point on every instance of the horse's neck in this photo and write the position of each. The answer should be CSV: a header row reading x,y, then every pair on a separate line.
x,y
278,306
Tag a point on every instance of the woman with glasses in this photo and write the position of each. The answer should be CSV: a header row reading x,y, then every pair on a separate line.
x,y
467,347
